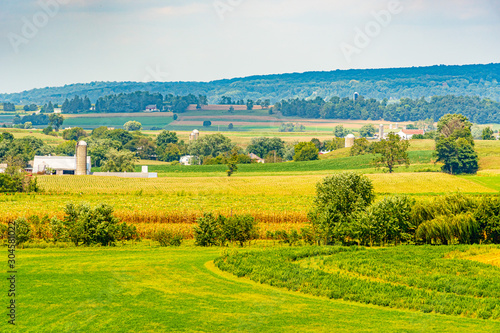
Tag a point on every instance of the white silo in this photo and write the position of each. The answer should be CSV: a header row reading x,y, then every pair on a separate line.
x,y
349,140
81,158
381,132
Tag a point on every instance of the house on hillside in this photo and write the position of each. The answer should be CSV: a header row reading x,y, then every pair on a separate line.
x,y
151,108
59,165
256,158
408,134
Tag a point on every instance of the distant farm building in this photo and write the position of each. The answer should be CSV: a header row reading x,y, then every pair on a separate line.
x,y
408,134
151,108
186,160
349,140
256,158
59,165
195,135
221,107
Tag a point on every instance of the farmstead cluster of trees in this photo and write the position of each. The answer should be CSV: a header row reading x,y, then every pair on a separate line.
x,y
478,110
454,146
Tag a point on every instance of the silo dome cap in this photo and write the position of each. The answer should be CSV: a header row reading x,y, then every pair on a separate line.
x,y
82,143
196,131
351,136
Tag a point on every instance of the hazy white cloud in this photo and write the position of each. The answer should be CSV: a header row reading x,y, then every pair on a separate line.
x,y
93,40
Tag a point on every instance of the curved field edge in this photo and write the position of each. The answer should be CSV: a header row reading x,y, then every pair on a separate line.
x,y
115,289
281,268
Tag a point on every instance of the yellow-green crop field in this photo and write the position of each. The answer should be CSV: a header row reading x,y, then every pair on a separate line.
x,y
277,202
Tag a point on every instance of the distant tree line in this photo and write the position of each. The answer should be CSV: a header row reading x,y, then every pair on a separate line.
x,y
395,83
132,102
478,110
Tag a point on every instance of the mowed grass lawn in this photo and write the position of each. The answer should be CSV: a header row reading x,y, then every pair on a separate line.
x,y
143,288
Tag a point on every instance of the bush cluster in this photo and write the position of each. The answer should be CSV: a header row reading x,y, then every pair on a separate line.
x,y
343,213
167,238
82,225
220,230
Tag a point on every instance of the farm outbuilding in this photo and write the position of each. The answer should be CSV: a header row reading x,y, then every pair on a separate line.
x,y
60,165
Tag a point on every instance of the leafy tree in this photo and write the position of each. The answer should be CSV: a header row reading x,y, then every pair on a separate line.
x,y
207,123
339,131
28,125
119,161
132,126
56,121
175,116
67,148
166,137
317,143
143,147
250,104
88,225
261,146
24,148
230,126
361,147
169,152
339,200
10,107
47,130
7,137
488,134
119,135
211,145
455,145
74,133
232,166
385,221
306,151
23,231
99,132
367,131
393,152
231,109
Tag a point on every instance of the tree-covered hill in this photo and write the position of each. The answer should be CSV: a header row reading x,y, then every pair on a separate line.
x,y
392,83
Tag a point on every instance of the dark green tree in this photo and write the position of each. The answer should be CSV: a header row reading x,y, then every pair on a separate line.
x,y
339,200
455,145
393,152
488,134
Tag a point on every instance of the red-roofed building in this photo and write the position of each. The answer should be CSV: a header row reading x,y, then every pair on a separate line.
x,y
408,134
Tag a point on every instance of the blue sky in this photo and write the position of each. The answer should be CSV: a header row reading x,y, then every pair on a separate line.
x,y
72,41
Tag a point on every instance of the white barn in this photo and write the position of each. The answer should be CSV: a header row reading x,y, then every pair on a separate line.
x,y
61,165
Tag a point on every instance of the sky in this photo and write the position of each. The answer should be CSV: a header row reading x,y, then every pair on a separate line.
x,y
57,42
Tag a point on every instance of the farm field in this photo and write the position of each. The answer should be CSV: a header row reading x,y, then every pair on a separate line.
x,y
174,203
178,289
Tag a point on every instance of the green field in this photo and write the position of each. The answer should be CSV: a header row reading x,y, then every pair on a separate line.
x,y
150,289
89,122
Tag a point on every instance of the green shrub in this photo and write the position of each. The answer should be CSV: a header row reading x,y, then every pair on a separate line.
x,y
218,231
89,226
57,230
23,231
166,238
208,232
